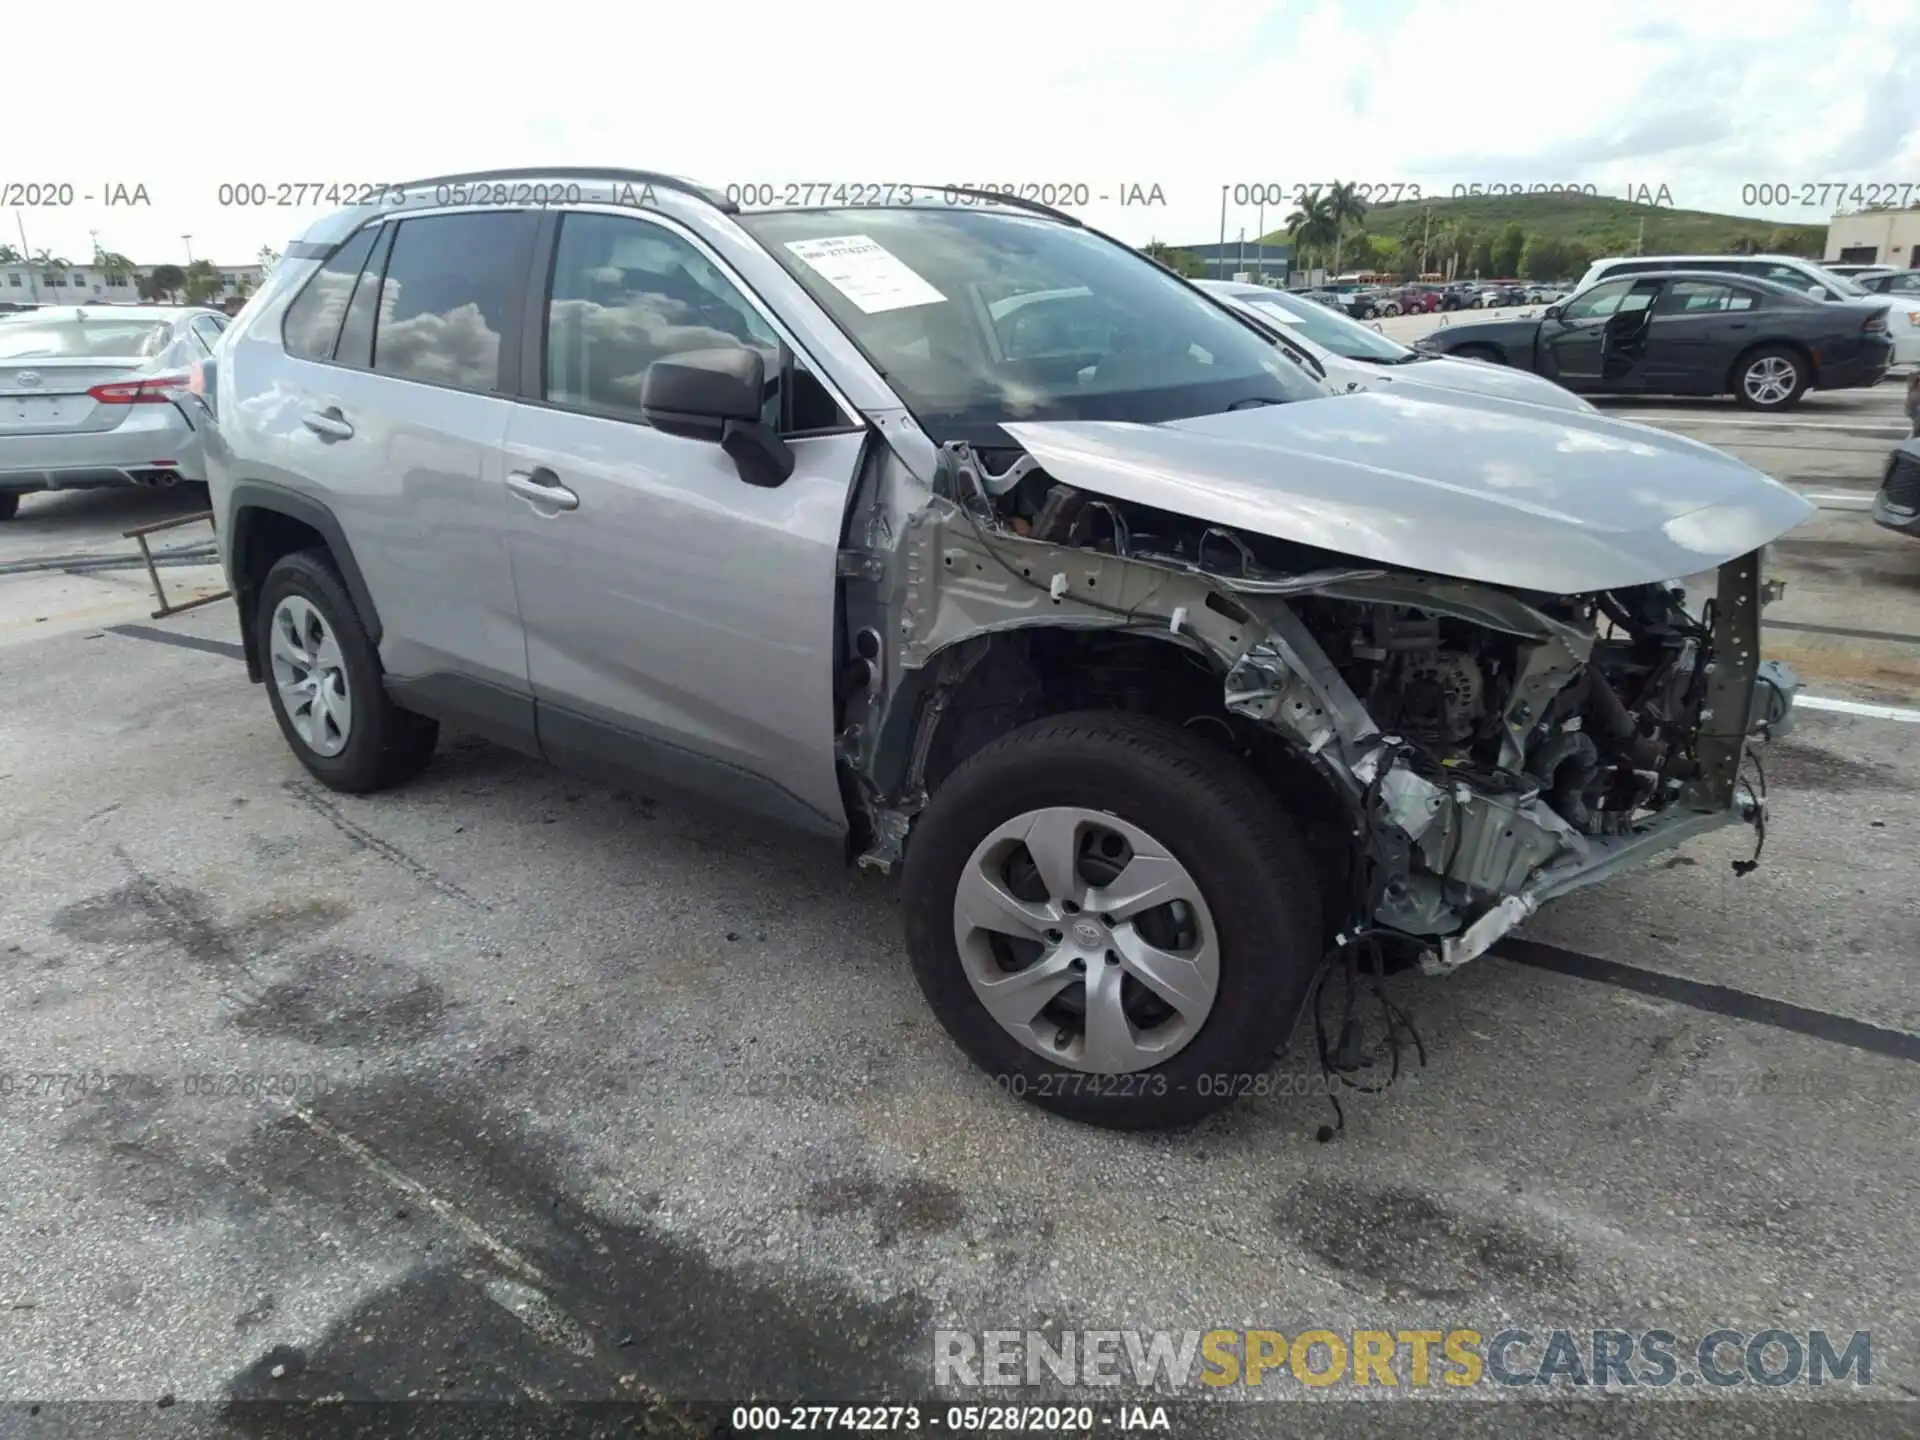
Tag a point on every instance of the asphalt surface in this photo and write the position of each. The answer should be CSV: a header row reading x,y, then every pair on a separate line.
x,y
583,1093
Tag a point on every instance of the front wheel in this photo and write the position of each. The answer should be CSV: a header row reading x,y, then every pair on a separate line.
x,y
1480,352
1770,378
1113,918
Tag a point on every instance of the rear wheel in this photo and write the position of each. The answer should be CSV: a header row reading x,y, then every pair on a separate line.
x,y
1112,918
9,506
323,681
1770,378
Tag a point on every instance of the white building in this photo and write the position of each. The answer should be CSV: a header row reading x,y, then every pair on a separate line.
x,y
1876,237
23,284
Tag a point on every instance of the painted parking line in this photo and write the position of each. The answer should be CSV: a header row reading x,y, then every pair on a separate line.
x,y
1856,707
1869,428
1832,500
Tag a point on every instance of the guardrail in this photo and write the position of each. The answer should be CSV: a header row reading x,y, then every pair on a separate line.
x,y
139,533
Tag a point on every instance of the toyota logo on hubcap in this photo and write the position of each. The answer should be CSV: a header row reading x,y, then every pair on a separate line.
x,y
1087,933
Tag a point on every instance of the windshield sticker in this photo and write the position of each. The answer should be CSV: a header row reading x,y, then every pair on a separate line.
x,y
867,273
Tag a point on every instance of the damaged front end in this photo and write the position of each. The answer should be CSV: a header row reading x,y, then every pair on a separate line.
x,y
1489,746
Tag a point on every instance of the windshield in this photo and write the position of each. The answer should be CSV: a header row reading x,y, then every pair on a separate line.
x,y
82,339
1328,329
979,318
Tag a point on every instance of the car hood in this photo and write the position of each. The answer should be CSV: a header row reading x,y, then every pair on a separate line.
x,y
1514,328
1437,377
1474,487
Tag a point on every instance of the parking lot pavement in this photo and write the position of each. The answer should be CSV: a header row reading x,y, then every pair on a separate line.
x,y
510,1083
65,566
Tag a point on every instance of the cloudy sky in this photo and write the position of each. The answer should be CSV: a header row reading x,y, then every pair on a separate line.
x,y
1701,96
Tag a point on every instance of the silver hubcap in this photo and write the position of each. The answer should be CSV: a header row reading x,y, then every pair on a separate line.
x,y
311,676
1087,940
1770,379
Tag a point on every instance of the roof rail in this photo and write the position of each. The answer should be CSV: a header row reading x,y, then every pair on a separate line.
x,y
584,172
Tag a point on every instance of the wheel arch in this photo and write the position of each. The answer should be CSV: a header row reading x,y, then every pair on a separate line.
x,y
978,688
1481,350
268,521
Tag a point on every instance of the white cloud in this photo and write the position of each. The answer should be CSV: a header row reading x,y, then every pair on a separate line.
x,y
1702,98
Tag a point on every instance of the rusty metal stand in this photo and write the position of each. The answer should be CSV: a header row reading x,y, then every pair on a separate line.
x,y
140,533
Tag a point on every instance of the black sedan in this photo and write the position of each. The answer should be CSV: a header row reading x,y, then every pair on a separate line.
x,y
1679,332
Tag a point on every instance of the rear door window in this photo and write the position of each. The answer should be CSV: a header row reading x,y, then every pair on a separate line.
x,y
450,283
1698,297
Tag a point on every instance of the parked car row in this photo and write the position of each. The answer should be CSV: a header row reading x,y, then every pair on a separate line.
x,y
1425,297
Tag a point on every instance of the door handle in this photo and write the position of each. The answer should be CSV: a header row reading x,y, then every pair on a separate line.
x,y
542,487
328,424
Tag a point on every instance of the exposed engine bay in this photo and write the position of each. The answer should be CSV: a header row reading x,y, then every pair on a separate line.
x,y
1492,747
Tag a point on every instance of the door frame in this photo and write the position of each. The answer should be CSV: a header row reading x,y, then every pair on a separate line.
x,y
596,744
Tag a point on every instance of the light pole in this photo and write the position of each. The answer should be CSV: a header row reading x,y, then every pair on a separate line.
x,y
189,243
26,258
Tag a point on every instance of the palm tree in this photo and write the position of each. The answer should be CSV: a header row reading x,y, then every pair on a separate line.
x,y
1311,226
9,255
118,268
1345,207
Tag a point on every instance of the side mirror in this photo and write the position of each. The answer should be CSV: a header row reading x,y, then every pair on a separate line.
x,y
1552,312
718,395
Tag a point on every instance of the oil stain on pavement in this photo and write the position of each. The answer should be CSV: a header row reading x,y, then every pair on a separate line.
x,y
561,1303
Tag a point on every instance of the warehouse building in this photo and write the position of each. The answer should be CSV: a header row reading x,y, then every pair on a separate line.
x,y
1257,262
1876,237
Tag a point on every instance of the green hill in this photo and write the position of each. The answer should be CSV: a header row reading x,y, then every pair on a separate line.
x,y
1560,233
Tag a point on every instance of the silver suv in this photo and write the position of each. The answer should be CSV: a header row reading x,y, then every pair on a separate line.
x,y
945,526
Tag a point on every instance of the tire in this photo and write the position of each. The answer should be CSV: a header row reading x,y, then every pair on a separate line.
x,y
380,745
1479,352
9,506
1214,822
1788,378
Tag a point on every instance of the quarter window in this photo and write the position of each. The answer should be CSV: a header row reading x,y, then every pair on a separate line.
x,y
444,300
313,319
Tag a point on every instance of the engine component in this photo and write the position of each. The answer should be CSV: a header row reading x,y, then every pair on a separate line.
x,y
1566,765
1442,694
1773,691
1495,837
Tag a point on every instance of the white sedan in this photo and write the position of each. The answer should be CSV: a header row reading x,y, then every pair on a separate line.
x,y
1355,357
